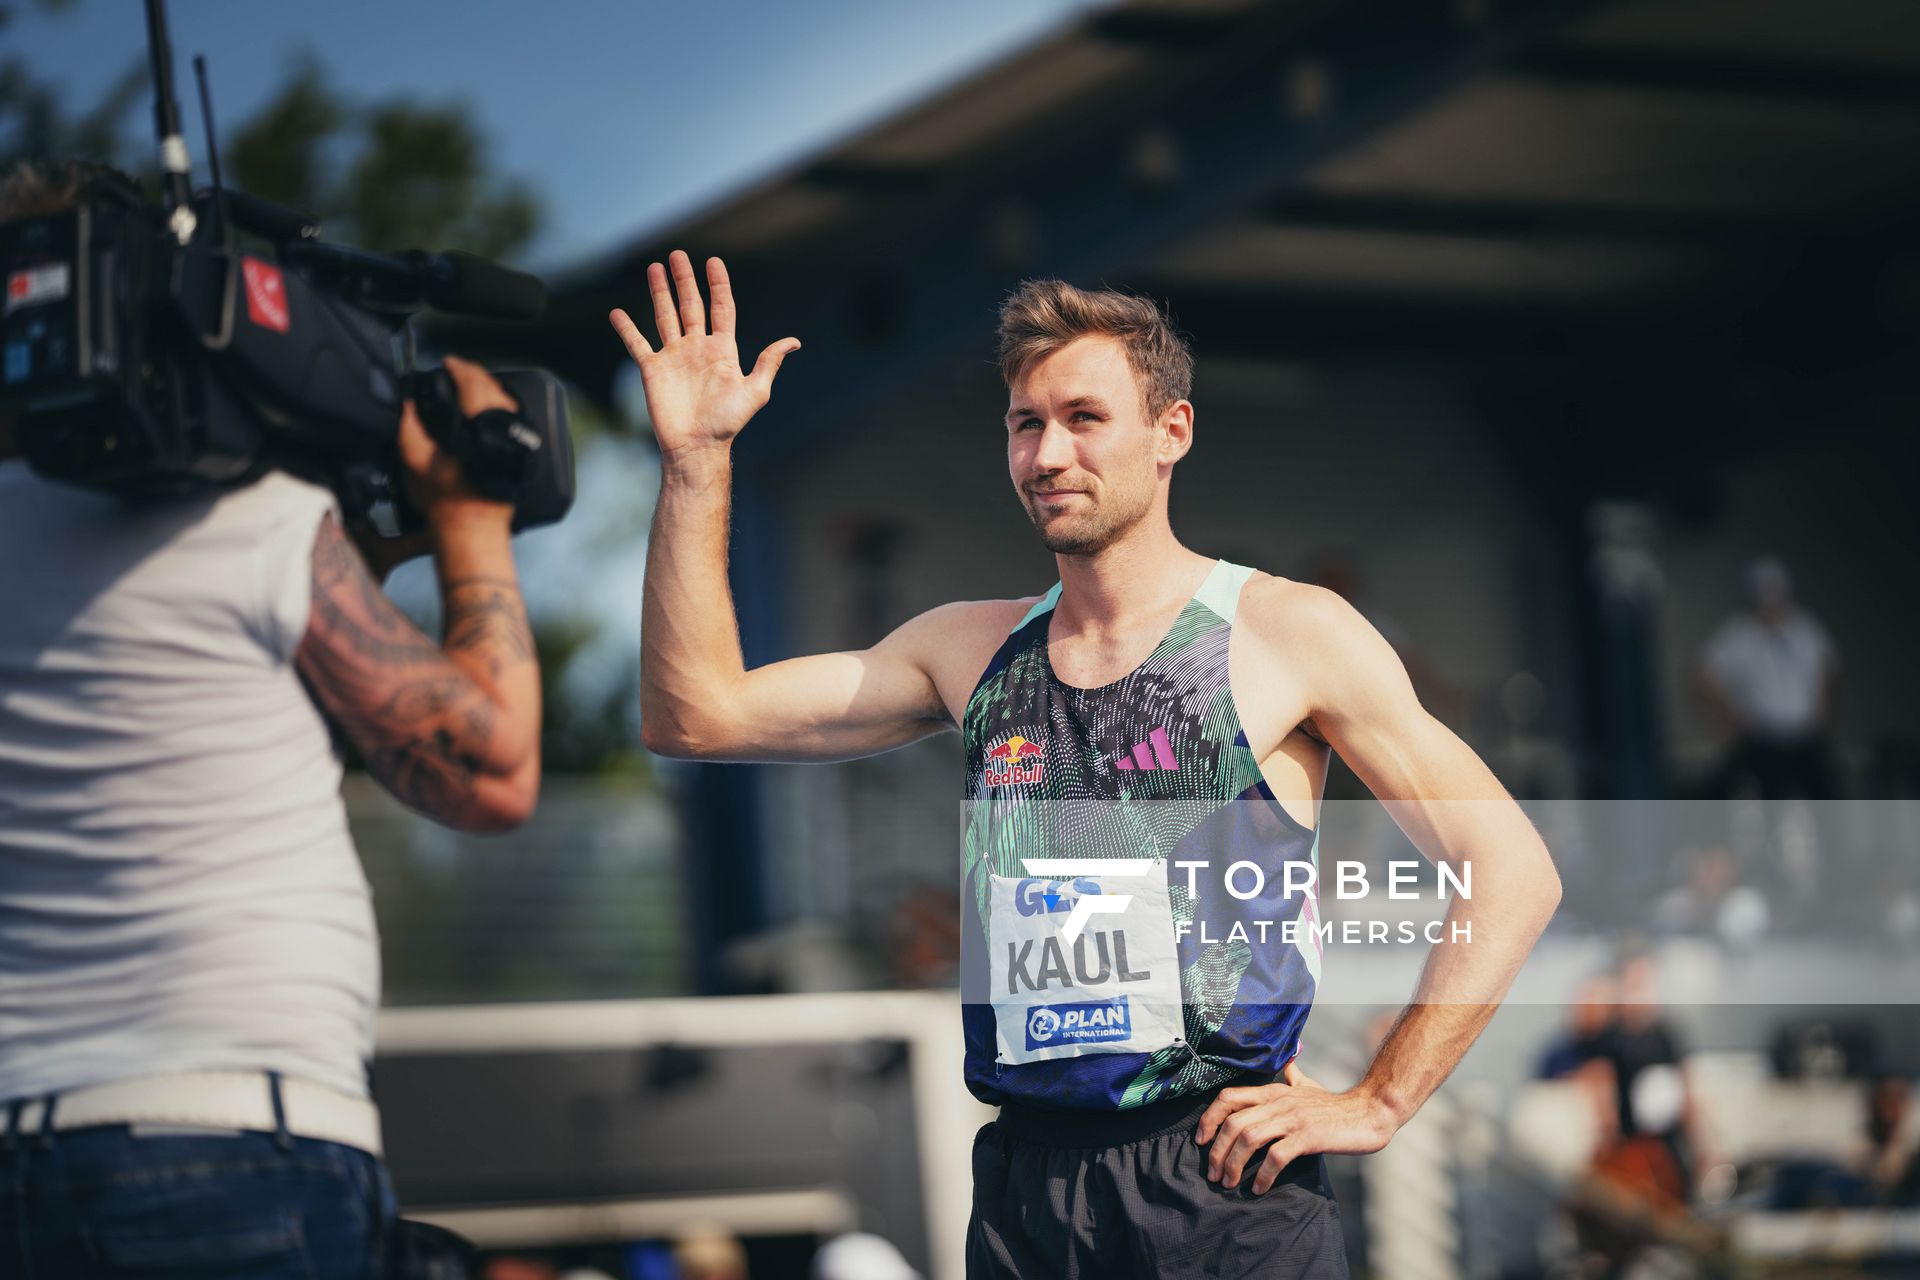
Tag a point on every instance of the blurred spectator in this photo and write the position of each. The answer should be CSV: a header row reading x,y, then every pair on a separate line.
x,y
1893,1139
926,938
1713,903
1770,673
709,1253
1653,1137
1533,765
1590,1017
859,1256
515,1268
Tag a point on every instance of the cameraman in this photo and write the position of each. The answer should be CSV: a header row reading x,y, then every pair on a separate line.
x,y
188,965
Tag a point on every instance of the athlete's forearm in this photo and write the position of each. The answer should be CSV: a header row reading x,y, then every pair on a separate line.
x,y
1488,937
690,657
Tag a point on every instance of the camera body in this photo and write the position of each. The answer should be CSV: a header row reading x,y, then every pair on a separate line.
x,y
148,367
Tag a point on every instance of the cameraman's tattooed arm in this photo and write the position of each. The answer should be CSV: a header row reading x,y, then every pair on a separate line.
x,y
452,731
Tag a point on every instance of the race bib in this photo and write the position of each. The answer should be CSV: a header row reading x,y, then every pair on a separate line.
x,y
1110,986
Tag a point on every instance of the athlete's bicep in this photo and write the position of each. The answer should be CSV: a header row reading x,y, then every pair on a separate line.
x,y
836,706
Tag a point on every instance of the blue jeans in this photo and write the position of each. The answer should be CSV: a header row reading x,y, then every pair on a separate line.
x,y
104,1202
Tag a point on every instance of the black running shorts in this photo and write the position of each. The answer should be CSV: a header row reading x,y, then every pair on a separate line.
x,y
1060,1196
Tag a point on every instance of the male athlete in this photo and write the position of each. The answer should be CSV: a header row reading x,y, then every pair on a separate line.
x,y
1162,1128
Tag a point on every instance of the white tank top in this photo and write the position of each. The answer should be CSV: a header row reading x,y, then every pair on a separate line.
x,y
178,889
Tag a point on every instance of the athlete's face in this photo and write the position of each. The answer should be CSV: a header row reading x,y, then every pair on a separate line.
x,y
1086,460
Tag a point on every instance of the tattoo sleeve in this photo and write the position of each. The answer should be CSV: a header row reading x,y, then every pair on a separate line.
x,y
484,617
430,732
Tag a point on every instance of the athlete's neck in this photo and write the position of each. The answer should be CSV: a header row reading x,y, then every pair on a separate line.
x,y
1139,576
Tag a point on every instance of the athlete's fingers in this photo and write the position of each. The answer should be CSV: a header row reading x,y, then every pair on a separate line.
x,y
665,318
1232,1139
636,342
769,364
1279,1156
1246,1146
693,312
1224,1104
722,290
1294,1076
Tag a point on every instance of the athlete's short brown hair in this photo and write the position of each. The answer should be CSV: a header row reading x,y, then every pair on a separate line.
x,y
1042,316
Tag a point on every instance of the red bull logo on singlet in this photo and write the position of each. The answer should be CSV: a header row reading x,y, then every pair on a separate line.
x,y
1005,765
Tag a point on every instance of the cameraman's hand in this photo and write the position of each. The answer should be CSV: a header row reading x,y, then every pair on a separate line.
x,y
697,395
436,484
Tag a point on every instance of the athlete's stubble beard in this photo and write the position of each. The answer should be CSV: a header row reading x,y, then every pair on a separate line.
x,y
1101,516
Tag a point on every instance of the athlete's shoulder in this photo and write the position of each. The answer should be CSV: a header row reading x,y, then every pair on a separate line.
x,y
965,618
962,634
1276,606
953,643
1335,658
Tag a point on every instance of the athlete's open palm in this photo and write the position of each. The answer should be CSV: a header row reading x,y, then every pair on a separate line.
x,y
697,394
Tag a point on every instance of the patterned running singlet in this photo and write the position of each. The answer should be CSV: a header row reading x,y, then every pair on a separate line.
x,y
1154,765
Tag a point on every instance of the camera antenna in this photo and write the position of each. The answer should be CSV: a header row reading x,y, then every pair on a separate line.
x,y
175,166
213,150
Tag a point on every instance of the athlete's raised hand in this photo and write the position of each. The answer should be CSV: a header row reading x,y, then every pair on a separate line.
x,y
697,394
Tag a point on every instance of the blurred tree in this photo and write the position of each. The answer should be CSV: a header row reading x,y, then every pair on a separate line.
x,y
395,175
278,155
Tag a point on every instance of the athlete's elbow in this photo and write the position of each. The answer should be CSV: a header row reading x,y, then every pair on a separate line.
x,y
683,734
1545,891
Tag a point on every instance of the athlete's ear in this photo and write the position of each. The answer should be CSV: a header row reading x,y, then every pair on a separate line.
x,y
1176,431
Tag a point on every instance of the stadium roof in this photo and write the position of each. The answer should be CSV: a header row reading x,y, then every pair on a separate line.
x,y
1467,178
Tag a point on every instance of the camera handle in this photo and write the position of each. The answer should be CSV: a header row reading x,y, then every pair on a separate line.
x,y
496,448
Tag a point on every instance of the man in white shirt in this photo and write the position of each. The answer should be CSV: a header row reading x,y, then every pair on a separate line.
x,y
1770,673
188,964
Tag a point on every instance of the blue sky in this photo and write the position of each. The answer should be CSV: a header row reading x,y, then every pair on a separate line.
x,y
623,116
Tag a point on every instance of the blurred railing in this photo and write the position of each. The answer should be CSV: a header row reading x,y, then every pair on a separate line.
x,y
586,901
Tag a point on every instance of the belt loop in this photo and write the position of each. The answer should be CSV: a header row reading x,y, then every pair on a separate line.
x,y
14,1109
282,1136
46,1121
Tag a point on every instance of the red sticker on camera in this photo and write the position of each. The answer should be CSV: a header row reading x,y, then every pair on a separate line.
x,y
266,295
33,286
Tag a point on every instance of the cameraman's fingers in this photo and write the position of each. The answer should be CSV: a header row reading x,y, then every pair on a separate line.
x,y
416,446
693,313
476,387
769,364
665,318
636,342
722,290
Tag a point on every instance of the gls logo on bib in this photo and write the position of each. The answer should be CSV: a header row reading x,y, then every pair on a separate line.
x,y
1092,1022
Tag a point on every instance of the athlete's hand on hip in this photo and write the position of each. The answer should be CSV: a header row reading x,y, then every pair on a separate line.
x,y
1298,1116
697,395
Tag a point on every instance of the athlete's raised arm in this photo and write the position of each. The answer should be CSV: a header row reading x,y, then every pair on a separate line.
x,y
697,699
1356,695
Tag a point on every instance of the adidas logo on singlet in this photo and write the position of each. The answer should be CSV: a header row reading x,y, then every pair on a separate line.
x,y
1156,753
